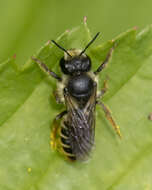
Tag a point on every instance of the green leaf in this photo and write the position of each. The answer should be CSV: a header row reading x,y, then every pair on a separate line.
x,y
28,108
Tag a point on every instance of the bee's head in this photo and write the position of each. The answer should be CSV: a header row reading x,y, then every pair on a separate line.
x,y
75,61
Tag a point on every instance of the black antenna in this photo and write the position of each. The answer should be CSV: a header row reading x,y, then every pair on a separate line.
x,y
89,44
61,47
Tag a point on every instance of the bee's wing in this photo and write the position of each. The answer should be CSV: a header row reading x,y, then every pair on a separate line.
x,y
81,124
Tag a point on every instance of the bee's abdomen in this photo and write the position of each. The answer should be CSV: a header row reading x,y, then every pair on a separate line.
x,y
65,140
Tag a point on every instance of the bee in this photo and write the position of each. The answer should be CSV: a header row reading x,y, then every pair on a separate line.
x,y
74,128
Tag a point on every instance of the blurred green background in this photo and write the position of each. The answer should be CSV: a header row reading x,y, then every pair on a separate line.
x,y
27,24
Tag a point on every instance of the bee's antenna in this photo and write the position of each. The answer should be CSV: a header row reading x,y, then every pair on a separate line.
x,y
61,47
89,43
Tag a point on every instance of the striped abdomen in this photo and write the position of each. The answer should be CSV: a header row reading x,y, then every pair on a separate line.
x,y
66,143
76,143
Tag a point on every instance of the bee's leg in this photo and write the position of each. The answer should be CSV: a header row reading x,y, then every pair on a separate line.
x,y
54,132
105,62
103,90
44,68
57,97
109,117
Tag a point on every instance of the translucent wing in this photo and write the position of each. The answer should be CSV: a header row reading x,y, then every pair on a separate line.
x,y
81,125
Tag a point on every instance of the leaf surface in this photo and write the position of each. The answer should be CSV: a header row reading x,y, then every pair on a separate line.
x,y
28,108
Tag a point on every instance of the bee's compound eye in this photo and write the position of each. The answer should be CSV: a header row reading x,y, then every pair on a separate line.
x,y
86,64
63,66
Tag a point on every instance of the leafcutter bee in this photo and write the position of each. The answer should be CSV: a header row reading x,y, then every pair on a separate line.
x,y
74,128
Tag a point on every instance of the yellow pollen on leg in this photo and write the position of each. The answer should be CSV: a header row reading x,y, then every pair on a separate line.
x,y
53,145
118,131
